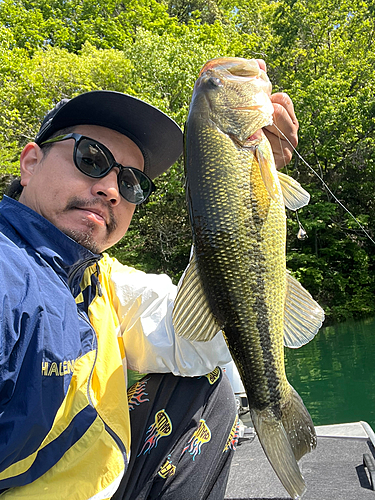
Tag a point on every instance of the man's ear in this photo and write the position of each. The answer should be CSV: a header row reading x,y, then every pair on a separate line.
x,y
31,157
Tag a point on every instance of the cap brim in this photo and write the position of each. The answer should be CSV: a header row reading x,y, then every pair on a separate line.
x,y
158,136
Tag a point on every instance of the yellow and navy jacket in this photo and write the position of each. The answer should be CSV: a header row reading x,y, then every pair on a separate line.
x,y
72,324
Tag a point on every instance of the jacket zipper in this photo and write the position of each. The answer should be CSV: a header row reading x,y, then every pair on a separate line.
x,y
84,264
110,431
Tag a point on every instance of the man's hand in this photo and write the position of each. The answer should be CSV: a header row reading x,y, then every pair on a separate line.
x,y
285,119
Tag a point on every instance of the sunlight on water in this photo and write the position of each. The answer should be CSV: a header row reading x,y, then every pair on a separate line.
x,y
335,373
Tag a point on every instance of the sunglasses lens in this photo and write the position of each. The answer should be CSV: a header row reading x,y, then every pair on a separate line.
x,y
91,159
94,160
134,185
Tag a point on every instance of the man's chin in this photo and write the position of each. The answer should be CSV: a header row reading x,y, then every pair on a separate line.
x,y
84,238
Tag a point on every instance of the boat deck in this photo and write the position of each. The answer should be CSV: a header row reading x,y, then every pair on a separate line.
x,y
333,471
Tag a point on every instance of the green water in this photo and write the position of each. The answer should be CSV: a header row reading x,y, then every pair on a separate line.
x,y
335,373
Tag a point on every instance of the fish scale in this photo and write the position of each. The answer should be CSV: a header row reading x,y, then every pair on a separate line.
x,y
236,280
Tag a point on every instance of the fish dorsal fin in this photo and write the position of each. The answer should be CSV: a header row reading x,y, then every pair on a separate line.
x,y
266,172
295,196
302,316
192,317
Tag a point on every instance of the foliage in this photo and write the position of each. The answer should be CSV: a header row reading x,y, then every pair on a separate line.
x,y
29,87
321,53
328,68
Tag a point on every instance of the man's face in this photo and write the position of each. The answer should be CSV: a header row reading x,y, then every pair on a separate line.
x,y
91,211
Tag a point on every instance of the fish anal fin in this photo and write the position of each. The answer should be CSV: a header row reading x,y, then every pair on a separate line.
x,y
192,317
294,195
275,443
303,316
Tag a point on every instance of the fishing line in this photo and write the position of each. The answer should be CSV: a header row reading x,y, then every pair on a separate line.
x,y
302,234
326,187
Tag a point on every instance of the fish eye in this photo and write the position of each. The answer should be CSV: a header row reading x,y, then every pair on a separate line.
x,y
214,81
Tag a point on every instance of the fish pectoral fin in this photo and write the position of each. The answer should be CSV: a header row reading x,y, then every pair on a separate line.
x,y
275,443
192,317
295,196
266,173
303,316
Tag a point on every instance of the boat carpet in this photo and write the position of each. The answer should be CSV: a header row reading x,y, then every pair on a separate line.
x,y
333,471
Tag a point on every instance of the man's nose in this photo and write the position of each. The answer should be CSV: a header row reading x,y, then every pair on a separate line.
x,y
107,187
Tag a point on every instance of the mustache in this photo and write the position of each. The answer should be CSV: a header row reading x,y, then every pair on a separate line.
x,y
76,202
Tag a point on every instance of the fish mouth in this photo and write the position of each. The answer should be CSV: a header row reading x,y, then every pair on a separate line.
x,y
238,67
235,69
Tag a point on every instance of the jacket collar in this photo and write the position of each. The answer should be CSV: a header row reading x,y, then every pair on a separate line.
x,y
68,258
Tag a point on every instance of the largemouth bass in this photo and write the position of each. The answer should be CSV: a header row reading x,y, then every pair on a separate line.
x,y
237,280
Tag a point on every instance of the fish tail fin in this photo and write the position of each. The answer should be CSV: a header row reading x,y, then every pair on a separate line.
x,y
298,425
286,440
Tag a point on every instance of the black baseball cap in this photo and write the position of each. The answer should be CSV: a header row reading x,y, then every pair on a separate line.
x,y
157,136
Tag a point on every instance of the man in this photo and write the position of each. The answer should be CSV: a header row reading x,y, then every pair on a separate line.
x,y
74,321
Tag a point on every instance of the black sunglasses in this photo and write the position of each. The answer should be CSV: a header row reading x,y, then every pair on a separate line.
x,y
95,160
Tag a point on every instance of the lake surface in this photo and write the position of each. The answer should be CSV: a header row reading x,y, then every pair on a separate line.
x,y
335,373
